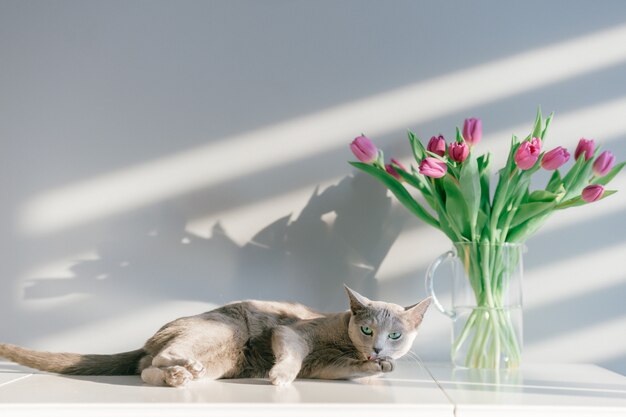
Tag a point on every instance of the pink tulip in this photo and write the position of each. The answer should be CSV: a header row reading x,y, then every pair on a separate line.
x,y
586,147
433,167
392,170
603,164
364,149
528,153
472,130
555,158
592,193
437,145
458,151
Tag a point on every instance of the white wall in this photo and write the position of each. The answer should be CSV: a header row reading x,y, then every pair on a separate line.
x,y
160,158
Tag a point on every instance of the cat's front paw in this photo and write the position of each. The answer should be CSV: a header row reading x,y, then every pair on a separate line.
x,y
177,376
386,365
282,374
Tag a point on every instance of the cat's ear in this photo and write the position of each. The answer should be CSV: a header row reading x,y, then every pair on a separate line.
x,y
357,301
416,312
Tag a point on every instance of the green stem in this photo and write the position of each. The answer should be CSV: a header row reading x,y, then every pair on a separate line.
x,y
489,334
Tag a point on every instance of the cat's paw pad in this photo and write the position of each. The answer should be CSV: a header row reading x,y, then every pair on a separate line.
x,y
195,368
386,365
282,375
177,376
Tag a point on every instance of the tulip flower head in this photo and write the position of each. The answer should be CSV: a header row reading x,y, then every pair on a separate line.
x,y
603,164
585,147
364,149
592,193
472,131
437,145
528,153
458,151
555,158
392,170
433,167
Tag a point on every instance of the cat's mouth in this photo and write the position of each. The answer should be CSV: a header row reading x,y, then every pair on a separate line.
x,y
373,356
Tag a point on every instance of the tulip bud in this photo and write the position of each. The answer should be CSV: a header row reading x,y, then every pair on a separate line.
x,y
592,193
363,148
437,145
433,167
472,131
392,170
528,153
603,164
555,158
458,151
586,147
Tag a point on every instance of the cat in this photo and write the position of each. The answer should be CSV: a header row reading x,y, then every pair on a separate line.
x,y
255,339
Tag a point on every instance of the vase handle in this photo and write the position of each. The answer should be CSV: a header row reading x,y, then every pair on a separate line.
x,y
430,288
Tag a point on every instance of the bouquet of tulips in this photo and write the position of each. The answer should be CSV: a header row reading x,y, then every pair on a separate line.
x,y
458,200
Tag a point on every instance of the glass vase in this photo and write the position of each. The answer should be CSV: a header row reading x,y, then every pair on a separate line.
x,y
486,309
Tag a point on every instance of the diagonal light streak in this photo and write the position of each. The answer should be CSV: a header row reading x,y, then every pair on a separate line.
x,y
306,136
605,341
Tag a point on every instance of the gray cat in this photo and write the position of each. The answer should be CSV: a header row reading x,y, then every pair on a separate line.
x,y
255,339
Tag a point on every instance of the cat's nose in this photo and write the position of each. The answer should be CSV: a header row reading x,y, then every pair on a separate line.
x,y
377,350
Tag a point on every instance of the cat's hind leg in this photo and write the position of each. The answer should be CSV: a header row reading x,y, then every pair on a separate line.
x,y
173,376
172,367
208,348
176,357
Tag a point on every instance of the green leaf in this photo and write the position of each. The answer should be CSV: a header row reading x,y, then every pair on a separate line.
x,y
608,177
481,224
607,193
399,191
555,182
510,161
418,181
504,184
469,182
542,196
517,192
528,210
573,173
456,206
547,124
521,232
459,136
572,202
419,152
536,203
538,125
438,157
447,227
413,180
580,179
484,170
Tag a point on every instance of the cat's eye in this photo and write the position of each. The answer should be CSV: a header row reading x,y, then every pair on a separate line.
x,y
367,331
395,335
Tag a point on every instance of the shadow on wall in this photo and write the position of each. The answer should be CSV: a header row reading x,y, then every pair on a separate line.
x,y
341,236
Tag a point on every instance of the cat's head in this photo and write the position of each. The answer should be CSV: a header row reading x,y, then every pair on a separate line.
x,y
383,330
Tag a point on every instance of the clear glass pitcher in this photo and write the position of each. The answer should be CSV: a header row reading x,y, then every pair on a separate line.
x,y
486,309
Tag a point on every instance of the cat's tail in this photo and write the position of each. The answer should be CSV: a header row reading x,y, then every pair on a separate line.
x,y
126,363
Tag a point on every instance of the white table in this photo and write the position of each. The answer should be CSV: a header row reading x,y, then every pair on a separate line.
x,y
411,390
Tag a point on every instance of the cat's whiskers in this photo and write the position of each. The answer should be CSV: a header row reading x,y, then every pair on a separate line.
x,y
416,358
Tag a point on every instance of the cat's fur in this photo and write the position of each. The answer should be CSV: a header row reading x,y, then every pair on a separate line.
x,y
255,339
